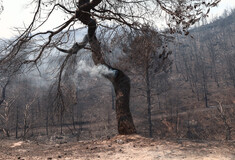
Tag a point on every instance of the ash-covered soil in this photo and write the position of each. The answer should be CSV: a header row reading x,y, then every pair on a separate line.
x,y
132,147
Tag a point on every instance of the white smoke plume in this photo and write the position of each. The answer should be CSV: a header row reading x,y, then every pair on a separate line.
x,y
96,70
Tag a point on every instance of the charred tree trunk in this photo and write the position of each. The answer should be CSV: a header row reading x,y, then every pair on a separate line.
x,y
17,120
47,119
4,91
205,90
224,118
113,97
120,81
61,121
121,85
148,96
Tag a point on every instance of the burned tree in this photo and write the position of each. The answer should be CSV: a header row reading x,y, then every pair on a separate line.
x,y
142,50
3,88
226,120
133,15
6,116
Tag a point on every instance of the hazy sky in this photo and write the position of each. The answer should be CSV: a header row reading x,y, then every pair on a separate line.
x,y
17,14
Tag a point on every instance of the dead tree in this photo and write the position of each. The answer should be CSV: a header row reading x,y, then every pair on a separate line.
x,y
4,87
131,14
5,116
225,120
26,118
142,52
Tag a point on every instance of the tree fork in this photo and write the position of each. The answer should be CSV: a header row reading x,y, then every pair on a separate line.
x,y
120,81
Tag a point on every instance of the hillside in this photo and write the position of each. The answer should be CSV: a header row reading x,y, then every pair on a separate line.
x,y
194,99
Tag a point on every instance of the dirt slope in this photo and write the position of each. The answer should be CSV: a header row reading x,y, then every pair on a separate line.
x,y
132,147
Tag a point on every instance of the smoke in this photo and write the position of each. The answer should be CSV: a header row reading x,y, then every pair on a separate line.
x,y
96,70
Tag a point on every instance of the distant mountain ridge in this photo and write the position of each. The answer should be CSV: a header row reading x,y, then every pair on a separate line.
x,y
219,22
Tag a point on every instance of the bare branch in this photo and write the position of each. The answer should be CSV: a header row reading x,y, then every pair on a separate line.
x,y
66,24
76,47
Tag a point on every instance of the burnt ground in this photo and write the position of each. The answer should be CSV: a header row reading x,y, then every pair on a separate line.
x,y
132,147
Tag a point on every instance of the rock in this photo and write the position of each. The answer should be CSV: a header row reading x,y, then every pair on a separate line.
x,y
119,141
57,145
93,148
59,137
63,142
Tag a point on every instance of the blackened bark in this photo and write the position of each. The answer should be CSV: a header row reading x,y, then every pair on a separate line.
x,y
4,91
17,120
148,93
121,82
205,88
61,121
47,119
113,97
121,85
